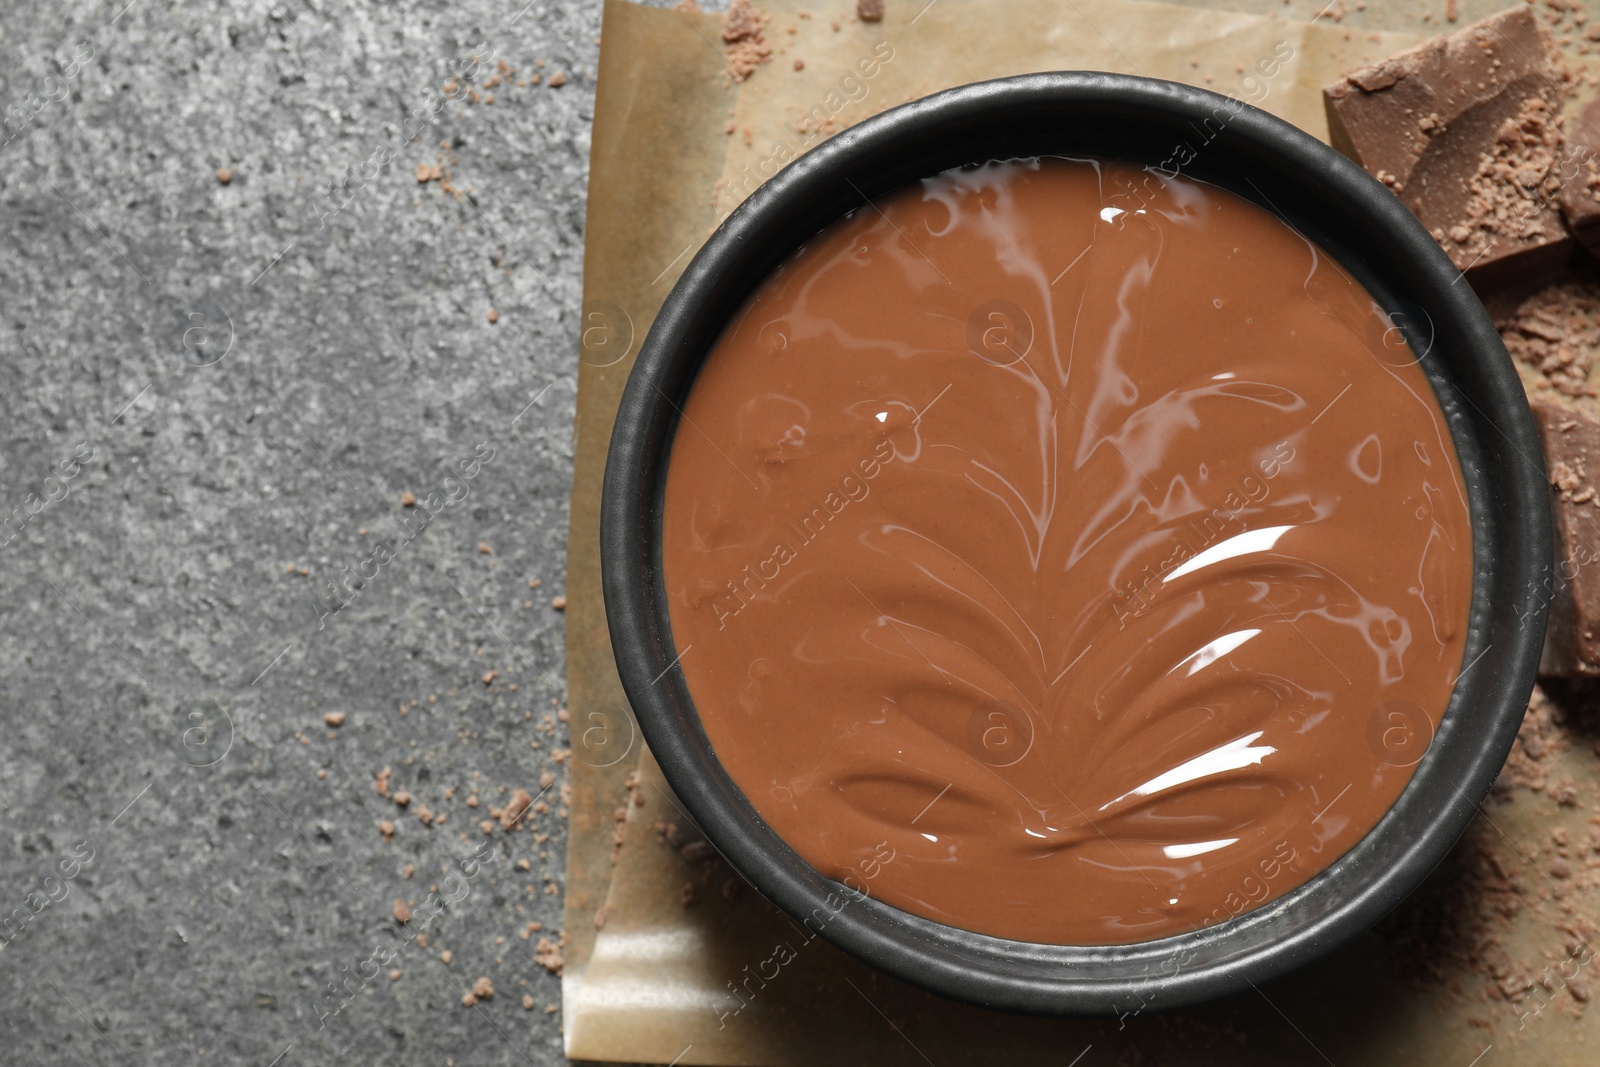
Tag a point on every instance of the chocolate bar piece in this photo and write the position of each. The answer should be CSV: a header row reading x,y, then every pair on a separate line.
x,y
1580,178
1572,454
1465,129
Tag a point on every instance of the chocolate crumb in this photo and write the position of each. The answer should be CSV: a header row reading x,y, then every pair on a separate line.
x,y
743,34
515,809
548,955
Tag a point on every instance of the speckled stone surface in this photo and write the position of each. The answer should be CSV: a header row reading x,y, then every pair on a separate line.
x,y
216,395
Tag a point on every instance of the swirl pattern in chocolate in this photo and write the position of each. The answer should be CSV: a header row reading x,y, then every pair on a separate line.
x,y
1089,539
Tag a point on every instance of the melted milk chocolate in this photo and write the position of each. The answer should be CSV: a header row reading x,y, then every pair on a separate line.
x,y
1065,554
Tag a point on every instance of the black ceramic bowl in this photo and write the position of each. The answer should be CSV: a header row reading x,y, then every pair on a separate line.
x,y
1330,200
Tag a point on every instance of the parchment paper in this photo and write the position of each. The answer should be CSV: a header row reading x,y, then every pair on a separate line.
x,y
656,983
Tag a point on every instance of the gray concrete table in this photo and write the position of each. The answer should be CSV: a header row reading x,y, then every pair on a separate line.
x,y
235,328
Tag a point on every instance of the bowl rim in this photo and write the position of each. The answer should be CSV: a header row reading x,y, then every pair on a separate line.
x,y
1513,561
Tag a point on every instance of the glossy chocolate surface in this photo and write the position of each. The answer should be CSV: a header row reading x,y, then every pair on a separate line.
x,y
1089,543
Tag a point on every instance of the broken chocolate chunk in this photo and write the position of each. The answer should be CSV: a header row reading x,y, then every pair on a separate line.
x,y
1572,455
1580,178
1465,129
